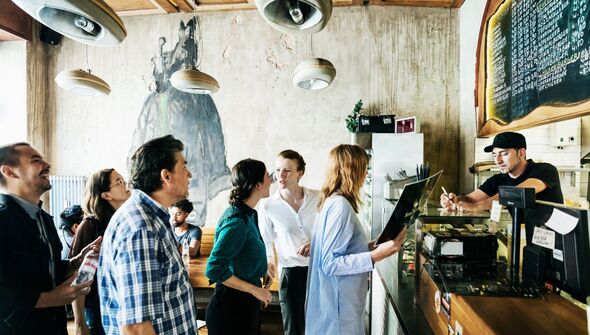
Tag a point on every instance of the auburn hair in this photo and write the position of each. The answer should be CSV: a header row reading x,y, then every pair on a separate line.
x,y
347,169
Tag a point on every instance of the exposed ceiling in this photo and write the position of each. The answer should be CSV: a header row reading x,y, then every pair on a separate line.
x,y
144,7
16,24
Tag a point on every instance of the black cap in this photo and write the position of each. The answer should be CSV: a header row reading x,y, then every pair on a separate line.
x,y
507,140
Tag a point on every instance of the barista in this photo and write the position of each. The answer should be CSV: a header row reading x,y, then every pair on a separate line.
x,y
509,150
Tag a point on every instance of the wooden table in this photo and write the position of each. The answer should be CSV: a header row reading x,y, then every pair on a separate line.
x,y
196,273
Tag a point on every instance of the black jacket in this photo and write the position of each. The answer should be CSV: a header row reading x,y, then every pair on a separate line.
x,y
24,272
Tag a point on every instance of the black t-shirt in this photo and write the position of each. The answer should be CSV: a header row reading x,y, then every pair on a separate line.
x,y
545,172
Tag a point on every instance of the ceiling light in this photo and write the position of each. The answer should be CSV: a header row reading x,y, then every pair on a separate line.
x,y
191,80
90,21
296,16
82,82
314,74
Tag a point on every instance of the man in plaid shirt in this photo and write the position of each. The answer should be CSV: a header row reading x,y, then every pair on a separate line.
x,y
143,286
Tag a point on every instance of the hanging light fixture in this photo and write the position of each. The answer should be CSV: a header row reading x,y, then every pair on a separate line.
x,y
190,79
82,82
296,16
313,74
87,21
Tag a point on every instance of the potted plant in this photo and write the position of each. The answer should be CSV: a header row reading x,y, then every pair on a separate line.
x,y
352,120
352,124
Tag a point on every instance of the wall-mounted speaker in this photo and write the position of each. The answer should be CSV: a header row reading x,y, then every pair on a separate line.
x,y
49,36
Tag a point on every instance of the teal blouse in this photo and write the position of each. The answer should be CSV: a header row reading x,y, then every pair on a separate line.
x,y
239,249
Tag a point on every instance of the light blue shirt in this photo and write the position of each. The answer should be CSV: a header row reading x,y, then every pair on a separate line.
x,y
339,268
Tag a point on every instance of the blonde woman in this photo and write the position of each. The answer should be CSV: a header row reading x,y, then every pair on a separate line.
x,y
341,256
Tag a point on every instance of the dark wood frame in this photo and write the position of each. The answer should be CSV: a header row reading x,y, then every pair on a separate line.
x,y
539,116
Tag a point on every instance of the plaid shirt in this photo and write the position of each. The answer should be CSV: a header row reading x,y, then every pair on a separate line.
x,y
141,276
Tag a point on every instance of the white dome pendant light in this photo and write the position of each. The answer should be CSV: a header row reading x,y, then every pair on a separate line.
x,y
82,82
86,21
296,16
190,79
314,73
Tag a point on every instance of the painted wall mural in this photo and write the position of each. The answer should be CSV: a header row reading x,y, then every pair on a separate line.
x,y
192,118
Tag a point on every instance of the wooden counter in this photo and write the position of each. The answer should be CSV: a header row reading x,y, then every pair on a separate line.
x,y
486,315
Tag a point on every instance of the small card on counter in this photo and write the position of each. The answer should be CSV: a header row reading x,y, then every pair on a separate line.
x,y
496,211
544,238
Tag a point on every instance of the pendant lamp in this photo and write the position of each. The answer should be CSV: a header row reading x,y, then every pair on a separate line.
x,y
82,82
190,79
296,16
313,74
91,22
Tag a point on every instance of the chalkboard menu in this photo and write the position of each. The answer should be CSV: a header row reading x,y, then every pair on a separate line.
x,y
537,53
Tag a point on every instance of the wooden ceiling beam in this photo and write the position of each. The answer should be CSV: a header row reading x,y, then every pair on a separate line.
x,y
185,5
165,5
457,3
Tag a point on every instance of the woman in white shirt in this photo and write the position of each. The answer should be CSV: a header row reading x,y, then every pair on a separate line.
x,y
287,220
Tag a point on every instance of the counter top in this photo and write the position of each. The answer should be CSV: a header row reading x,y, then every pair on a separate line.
x,y
401,292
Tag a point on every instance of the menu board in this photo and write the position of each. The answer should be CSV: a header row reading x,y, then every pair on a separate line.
x,y
537,54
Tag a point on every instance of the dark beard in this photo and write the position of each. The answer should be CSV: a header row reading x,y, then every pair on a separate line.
x,y
178,224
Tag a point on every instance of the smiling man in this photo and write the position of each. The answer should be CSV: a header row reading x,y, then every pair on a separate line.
x,y
509,151
34,281
143,285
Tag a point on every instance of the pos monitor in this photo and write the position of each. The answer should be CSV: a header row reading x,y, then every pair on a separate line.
x,y
568,264
407,208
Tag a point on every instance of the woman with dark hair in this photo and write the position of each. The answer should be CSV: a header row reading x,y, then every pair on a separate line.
x,y
105,192
341,256
238,259
286,223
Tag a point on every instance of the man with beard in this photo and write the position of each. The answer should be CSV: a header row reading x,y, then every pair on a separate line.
x,y
509,151
34,281
184,231
142,284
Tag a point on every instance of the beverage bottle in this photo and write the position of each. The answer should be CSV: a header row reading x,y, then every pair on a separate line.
x,y
185,252
87,269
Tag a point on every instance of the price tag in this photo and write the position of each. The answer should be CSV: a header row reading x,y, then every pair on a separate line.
x,y
495,211
544,238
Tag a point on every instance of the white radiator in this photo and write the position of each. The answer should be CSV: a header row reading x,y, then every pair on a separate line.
x,y
65,191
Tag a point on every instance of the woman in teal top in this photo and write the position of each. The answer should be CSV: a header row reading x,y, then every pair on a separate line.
x,y
238,259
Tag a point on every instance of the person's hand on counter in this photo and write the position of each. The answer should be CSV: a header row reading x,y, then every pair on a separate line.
x,y
448,202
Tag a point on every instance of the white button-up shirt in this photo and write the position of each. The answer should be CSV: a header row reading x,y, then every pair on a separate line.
x,y
289,230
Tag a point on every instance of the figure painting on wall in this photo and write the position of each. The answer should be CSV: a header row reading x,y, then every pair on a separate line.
x,y
192,118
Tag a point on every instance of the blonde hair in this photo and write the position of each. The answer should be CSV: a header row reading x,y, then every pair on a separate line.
x,y
346,174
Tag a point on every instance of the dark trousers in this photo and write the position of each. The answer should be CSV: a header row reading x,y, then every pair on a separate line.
x,y
232,312
292,298
93,321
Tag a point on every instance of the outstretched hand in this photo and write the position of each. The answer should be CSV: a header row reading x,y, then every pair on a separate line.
x,y
64,293
95,246
389,248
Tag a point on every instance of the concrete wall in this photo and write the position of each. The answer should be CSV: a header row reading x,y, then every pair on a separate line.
x,y
401,61
470,15
13,92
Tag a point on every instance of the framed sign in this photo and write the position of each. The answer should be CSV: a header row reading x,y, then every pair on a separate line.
x,y
533,64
